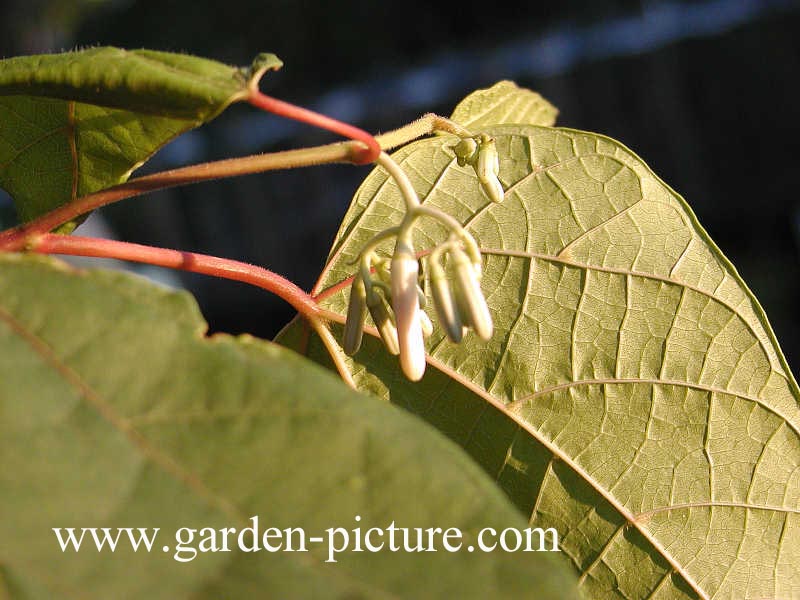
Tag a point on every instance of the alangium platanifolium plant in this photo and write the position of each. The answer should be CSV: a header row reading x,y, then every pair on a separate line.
x,y
533,293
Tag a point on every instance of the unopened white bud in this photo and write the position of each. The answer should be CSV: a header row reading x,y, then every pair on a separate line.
x,y
487,168
469,297
480,153
446,309
405,302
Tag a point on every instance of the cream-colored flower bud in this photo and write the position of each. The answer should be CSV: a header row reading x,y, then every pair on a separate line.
x,y
356,316
384,320
405,302
382,270
480,153
465,151
423,301
446,309
488,168
426,324
469,297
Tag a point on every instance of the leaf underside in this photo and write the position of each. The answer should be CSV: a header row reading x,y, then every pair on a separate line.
x,y
504,102
117,412
633,395
78,122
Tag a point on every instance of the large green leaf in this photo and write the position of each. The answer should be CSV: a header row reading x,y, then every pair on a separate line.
x,y
115,411
633,395
77,122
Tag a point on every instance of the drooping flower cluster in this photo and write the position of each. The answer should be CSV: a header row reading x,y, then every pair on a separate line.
x,y
391,289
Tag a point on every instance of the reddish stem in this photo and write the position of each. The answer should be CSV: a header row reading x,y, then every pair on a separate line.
x,y
17,238
53,243
290,111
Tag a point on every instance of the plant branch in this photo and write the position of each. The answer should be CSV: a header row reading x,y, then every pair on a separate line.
x,y
53,243
427,124
18,238
285,109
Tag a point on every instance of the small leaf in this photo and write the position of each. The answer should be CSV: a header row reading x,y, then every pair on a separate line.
x,y
633,395
503,103
117,412
78,122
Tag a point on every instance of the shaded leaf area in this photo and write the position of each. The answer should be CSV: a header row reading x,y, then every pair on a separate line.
x,y
52,151
633,395
77,122
117,412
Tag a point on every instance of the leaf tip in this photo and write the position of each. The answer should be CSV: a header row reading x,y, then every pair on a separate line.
x,y
263,62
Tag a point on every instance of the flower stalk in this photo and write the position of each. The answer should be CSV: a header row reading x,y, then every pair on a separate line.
x,y
390,288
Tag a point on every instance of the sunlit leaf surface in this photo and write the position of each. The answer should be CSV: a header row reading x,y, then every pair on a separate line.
x,y
504,102
633,395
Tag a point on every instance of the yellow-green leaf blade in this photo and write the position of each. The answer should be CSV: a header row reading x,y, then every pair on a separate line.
x,y
77,122
60,151
503,103
633,395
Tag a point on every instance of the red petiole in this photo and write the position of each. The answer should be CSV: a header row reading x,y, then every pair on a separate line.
x,y
291,111
53,243
34,236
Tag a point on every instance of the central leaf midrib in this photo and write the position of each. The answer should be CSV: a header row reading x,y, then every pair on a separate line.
x,y
214,81
561,455
553,258
513,406
72,141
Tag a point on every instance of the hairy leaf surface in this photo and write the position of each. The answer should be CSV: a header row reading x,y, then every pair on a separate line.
x,y
117,412
633,395
77,122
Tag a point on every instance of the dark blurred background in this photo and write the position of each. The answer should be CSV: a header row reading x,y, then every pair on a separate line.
x,y
706,92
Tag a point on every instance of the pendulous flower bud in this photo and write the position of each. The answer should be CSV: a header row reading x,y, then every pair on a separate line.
x,y
405,302
480,153
384,321
446,309
488,168
356,316
469,297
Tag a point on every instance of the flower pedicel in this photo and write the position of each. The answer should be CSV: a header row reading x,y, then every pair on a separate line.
x,y
397,306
